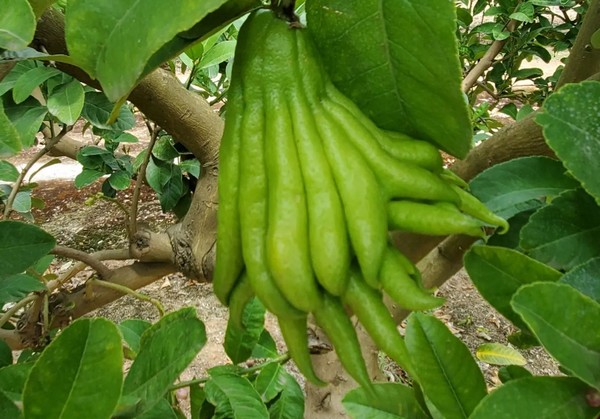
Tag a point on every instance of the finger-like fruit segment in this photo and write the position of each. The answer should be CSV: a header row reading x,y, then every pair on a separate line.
x,y
433,220
401,287
296,339
368,306
287,234
332,318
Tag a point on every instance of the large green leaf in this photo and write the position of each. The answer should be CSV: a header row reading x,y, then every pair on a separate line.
x,y
445,369
14,287
499,272
393,401
25,84
10,141
132,331
572,130
563,319
17,24
233,396
13,378
217,54
27,117
537,397
113,41
8,409
66,102
520,184
398,60
240,342
166,349
270,382
97,109
21,245
290,403
585,278
83,369
565,233
17,71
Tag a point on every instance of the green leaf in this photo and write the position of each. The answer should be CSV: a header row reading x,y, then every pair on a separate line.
x,y
43,264
561,318
220,52
270,382
445,369
83,363
498,273
8,82
161,410
498,354
126,137
233,396
10,141
173,190
585,278
191,166
266,346
8,172
290,404
113,42
17,24
120,180
512,238
239,343
521,17
8,409
398,61
158,174
14,287
66,102
512,372
27,117
87,177
28,81
393,401
6,357
572,130
166,349
22,202
97,109
595,39
132,331
564,234
21,245
537,397
164,150
520,184
13,378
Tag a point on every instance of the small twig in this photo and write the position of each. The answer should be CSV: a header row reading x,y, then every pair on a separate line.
x,y
119,204
109,254
103,271
128,291
138,184
15,189
281,359
11,311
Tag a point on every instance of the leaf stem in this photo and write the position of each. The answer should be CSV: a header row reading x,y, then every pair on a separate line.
x,y
128,291
281,359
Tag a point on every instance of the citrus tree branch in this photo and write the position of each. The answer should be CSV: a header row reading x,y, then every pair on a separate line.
x,y
487,60
103,271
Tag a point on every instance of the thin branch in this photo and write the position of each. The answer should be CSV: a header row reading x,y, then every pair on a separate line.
x,y
128,291
28,166
487,60
103,271
281,359
109,254
11,311
139,181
